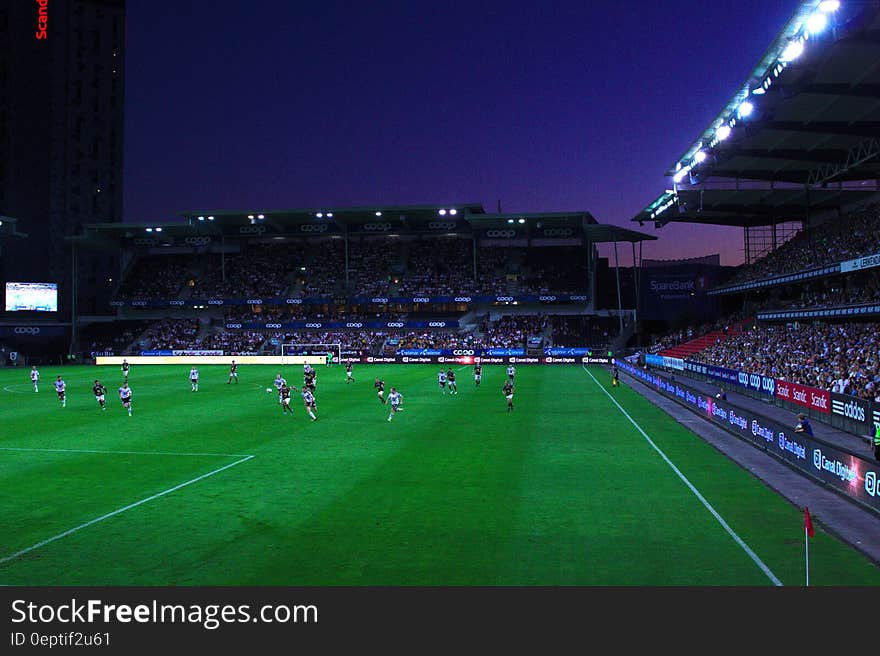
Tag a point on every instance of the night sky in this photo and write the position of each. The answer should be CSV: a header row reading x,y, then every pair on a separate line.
x,y
546,107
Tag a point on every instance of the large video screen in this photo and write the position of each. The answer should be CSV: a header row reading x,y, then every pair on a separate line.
x,y
31,296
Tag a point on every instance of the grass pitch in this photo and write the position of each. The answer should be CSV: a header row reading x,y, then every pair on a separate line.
x,y
217,487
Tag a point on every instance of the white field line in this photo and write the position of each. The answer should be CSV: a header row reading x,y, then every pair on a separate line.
x,y
125,453
119,511
770,575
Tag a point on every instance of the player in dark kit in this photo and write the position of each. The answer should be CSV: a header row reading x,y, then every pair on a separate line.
x,y
450,380
125,369
98,390
309,379
284,399
233,373
508,392
478,374
380,386
615,377
348,376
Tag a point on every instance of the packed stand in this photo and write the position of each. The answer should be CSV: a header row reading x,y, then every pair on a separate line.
x,y
155,277
843,358
854,234
438,267
169,334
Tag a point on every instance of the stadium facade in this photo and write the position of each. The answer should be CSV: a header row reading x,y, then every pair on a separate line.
x,y
61,142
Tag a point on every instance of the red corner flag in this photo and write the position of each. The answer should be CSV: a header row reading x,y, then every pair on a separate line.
x,y
808,523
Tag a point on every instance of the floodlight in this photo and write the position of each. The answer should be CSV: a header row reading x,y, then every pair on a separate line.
x,y
250,216
320,215
792,51
260,216
158,229
453,212
378,213
723,132
816,23
522,220
700,157
829,6
201,218
149,230
210,218
745,109
329,215
442,212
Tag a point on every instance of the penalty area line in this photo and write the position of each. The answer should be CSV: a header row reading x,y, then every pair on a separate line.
x,y
736,538
119,511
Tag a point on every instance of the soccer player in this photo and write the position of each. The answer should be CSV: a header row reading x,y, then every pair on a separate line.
x,y
279,382
233,373
125,369
329,358
450,378
348,377
395,399
508,392
478,374
309,403
441,381
309,379
511,372
125,397
194,379
60,389
284,399
99,390
35,376
615,376
380,386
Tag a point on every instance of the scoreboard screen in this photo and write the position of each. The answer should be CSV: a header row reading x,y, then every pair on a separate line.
x,y
31,297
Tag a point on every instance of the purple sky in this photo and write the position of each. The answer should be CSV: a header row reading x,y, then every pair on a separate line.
x,y
556,107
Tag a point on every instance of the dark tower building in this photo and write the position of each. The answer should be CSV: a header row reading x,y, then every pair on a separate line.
x,y
62,72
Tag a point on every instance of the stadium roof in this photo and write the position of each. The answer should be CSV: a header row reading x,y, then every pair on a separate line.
x,y
9,227
747,207
809,112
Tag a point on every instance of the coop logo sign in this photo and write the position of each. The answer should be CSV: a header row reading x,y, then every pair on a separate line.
x,y
254,301
500,233
293,301
314,325
139,303
354,325
578,298
437,324
504,299
215,301
197,241
421,299
233,325
558,232
545,299
378,299
273,325
441,225
175,303
464,352
462,299
252,230
27,330
308,227
377,227
42,20
395,324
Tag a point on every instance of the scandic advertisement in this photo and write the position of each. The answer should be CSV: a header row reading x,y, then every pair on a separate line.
x,y
854,476
808,397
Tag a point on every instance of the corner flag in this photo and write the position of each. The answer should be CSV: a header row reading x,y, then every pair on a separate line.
x,y
808,533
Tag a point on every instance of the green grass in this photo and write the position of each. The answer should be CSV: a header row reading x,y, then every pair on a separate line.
x,y
564,491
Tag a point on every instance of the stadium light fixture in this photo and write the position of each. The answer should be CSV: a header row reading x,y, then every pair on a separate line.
x,y
453,212
700,157
251,216
149,230
829,6
678,177
201,218
745,109
329,215
302,268
158,229
723,132
442,212
210,218
522,220
510,220
378,213
320,215
260,216
816,23
792,51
